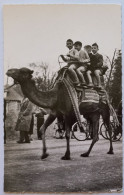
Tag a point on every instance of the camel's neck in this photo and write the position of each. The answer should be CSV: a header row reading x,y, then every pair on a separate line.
x,y
41,99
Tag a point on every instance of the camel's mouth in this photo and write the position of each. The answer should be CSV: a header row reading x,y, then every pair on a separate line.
x,y
10,73
15,82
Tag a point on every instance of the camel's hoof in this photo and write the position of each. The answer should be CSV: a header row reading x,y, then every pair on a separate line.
x,y
44,156
85,155
110,152
66,158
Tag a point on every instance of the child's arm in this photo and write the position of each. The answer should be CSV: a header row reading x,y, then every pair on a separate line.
x,y
84,57
63,58
75,55
100,61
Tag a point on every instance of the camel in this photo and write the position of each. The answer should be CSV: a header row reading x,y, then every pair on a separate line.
x,y
58,100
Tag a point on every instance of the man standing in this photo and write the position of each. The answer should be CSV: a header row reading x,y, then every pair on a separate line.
x,y
24,121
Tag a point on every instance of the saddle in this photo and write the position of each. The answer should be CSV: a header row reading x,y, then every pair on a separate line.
x,y
80,97
84,95
61,73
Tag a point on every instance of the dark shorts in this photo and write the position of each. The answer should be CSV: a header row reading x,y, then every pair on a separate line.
x,y
73,62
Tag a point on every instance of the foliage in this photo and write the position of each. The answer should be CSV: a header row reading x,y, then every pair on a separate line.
x,y
115,84
44,79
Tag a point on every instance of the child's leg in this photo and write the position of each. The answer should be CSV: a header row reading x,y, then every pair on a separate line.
x,y
88,73
73,74
97,73
80,72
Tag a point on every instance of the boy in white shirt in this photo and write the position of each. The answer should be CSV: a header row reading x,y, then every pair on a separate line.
x,y
83,62
71,59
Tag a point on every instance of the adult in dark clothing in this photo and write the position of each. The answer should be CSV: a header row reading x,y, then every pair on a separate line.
x,y
24,121
40,121
31,127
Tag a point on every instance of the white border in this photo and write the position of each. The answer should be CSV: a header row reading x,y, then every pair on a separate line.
x,y
10,2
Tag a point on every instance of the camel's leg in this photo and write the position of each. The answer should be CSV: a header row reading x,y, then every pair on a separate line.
x,y
106,119
110,135
95,124
43,128
67,128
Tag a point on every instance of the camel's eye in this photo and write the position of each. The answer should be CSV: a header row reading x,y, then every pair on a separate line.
x,y
24,73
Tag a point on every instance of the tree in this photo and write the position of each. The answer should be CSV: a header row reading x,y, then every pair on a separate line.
x,y
43,78
115,82
109,74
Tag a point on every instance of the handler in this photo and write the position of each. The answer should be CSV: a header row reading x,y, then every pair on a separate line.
x,y
24,121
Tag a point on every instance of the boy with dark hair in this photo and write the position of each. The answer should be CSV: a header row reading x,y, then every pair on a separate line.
x,y
96,60
72,52
71,58
83,62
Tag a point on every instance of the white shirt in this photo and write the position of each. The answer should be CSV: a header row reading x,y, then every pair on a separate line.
x,y
83,56
72,52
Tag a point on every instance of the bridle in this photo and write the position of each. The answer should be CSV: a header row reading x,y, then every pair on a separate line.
x,y
15,83
60,61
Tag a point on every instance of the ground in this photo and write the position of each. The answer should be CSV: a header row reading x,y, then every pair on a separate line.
x,y
26,172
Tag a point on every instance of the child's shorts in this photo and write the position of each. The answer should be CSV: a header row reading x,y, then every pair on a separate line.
x,y
84,65
74,64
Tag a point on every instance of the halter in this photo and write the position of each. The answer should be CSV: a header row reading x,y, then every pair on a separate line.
x,y
11,85
60,62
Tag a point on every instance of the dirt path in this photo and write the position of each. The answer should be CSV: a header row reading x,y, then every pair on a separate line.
x,y
25,172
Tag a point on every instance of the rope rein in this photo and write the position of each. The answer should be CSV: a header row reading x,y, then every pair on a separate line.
x,y
112,111
75,107
11,86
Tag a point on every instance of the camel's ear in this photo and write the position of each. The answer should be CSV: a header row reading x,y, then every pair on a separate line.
x,y
31,71
26,70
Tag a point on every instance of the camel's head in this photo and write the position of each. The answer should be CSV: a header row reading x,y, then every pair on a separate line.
x,y
20,75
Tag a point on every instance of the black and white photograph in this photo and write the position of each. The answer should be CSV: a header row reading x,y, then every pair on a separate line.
x,y
62,98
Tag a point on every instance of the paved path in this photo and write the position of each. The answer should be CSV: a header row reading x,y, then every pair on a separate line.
x,y
25,172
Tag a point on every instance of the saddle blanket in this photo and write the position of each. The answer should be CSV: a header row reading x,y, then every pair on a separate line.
x,y
90,95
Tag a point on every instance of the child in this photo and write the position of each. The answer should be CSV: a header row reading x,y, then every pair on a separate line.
x,y
83,62
72,58
88,49
96,60
72,52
